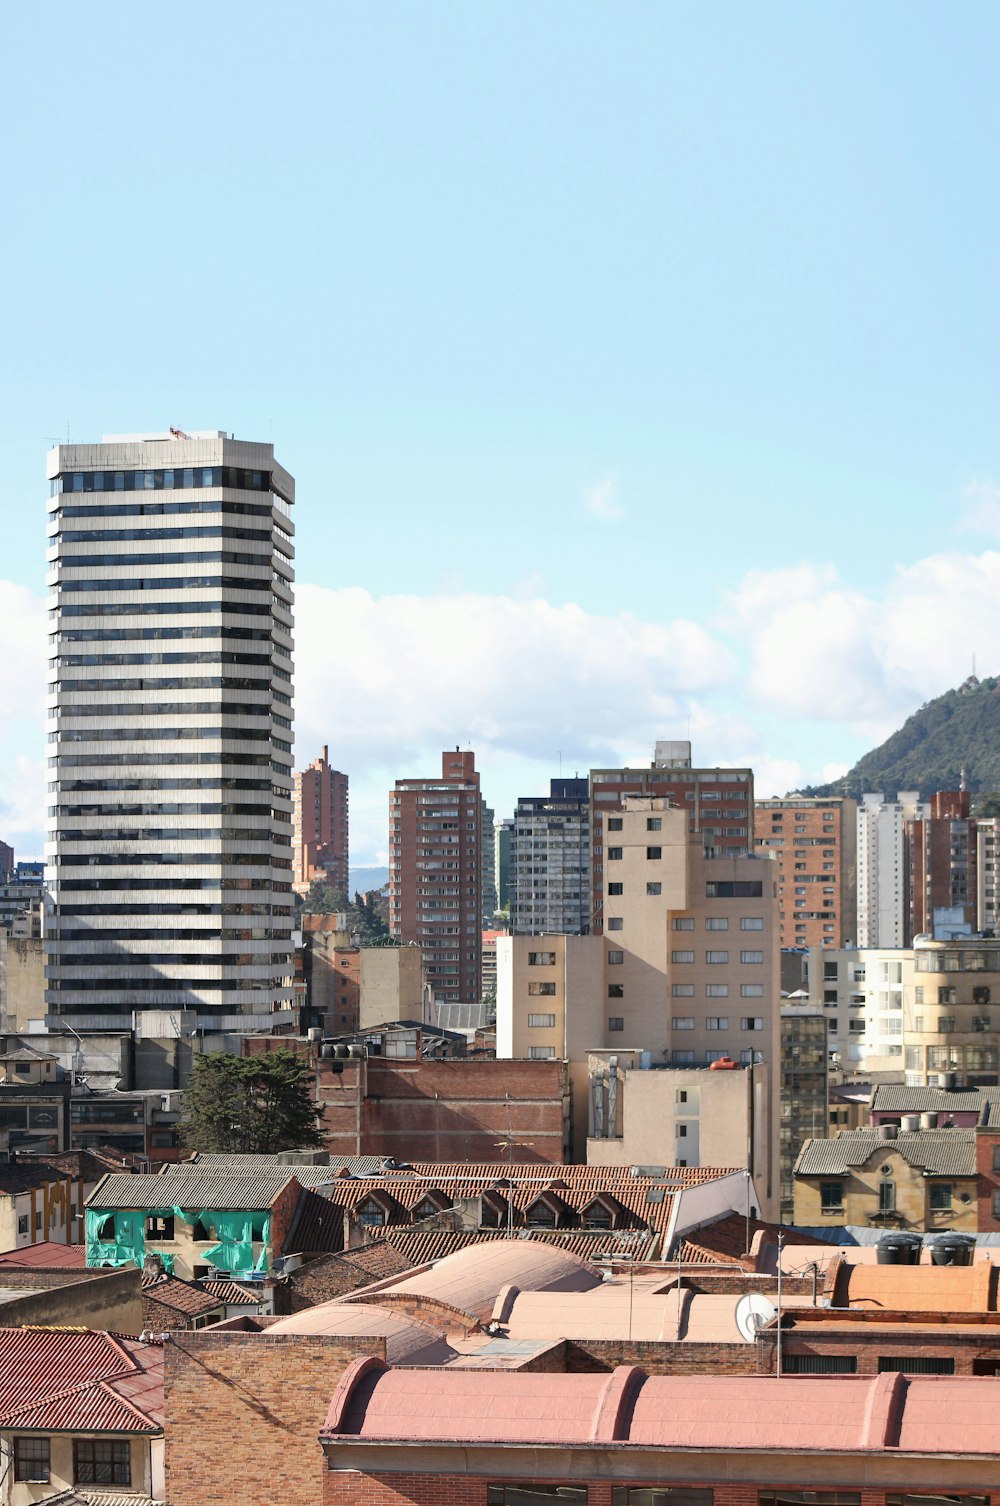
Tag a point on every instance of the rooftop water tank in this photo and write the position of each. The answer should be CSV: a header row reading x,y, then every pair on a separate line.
x,y
898,1248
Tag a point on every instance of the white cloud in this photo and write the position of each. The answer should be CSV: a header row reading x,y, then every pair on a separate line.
x,y
603,500
980,508
390,682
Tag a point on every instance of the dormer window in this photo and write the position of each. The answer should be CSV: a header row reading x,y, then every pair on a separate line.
x,y
371,1215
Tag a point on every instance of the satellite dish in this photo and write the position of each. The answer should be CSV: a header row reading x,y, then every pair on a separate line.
x,y
752,1312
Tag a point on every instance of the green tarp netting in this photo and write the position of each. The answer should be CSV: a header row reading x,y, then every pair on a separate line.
x,y
118,1238
115,1238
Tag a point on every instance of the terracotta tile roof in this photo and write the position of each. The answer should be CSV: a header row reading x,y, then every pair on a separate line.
x,y
183,1296
73,1379
231,1292
726,1240
317,1226
46,1254
643,1202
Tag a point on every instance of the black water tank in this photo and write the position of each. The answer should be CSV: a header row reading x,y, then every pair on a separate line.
x,y
899,1248
952,1249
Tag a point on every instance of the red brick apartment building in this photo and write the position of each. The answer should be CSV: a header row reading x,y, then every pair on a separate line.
x,y
320,826
719,803
941,854
435,875
814,843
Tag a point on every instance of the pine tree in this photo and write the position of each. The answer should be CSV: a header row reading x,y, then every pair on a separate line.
x,y
250,1105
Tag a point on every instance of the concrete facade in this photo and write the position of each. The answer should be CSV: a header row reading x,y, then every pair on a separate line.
x,y
687,969
719,805
883,889
170,742
550,861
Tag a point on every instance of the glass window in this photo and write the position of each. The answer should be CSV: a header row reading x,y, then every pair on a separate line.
x,y
614,823
681,956
657,888
615,923
916,1364
541,959
717,957
749,957
534,1494
616,888
683,1022
616,1022
541,1021
31,1459
831,1197
96,1462
887,1197
682,990
681,922
615,958
541,989
935,1498
809,1498
717,923
941,1195
661,1495
614,854
654,853
654,823
541,1053
616,990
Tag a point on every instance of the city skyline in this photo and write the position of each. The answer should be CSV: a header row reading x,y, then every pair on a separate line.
x,y
645,362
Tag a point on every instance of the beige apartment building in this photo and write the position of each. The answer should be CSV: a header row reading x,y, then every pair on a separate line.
x,y
687,970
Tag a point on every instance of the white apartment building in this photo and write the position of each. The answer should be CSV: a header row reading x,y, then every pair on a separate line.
x,y
170,730
882,897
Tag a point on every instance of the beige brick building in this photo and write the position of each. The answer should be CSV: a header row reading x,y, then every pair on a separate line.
x,y
814,843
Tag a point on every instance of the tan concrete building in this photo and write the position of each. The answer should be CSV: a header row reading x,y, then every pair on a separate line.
x,y
687,969
394,986
640,1115
923,1180
814,843
22,982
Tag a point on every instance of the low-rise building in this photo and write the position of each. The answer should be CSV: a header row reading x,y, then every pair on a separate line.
x,y
80,1411
899,1180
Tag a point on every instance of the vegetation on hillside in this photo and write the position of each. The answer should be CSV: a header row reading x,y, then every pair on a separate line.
x,y
960,729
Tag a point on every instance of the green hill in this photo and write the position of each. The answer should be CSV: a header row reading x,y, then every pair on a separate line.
x,y
960,729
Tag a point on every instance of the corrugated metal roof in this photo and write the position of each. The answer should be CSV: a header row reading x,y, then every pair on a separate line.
x,y
895,1098
943,1152
356,1165
222,1188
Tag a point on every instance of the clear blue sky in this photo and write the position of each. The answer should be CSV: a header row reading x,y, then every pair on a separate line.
x,y
600,305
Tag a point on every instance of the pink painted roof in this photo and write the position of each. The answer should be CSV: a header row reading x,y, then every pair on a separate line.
x,y
408,1341
76,1378
472,1277
717,1414
47,1253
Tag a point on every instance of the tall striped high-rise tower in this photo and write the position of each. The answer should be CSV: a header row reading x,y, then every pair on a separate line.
x,y
170,730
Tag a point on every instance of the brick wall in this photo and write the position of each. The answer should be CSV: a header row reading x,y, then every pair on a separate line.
x,y
282,1213
974,1353
453,1110
348,1488
245,1417
683,1358
987,1180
